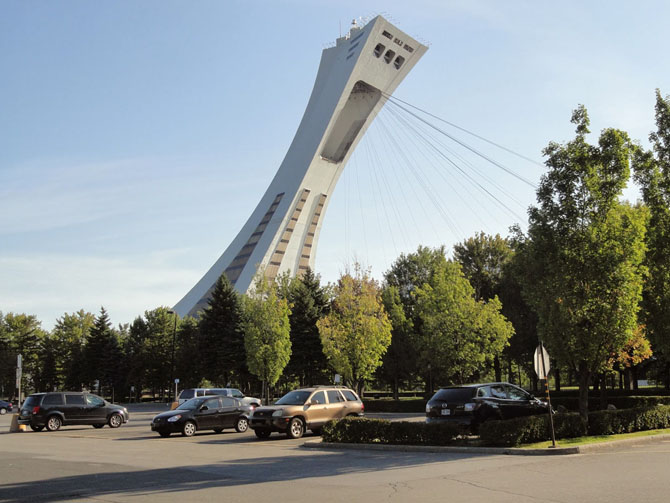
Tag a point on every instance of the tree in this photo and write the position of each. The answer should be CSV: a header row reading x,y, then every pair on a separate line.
x,y
102,354
221,336
357,332
21,334
636,350
267,338
309,303
584,252
408,272
460,336
652,172
188,365
69,333
482,260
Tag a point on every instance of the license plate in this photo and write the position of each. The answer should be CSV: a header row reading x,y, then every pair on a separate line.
x,y
446,412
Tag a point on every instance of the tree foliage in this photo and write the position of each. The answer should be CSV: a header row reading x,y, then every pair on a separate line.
x,y
221,335
652,172
267,338
584,252
309,303
459,335
357,332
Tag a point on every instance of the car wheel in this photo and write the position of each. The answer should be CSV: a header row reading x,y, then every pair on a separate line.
x,y
34,427
295,428
262,433
189,429
115,420
98,426
54,423
3,411
164,434
218,430
241,425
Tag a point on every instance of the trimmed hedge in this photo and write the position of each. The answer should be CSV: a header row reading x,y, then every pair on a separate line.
x,y
526,430
629,420
620,402
354,430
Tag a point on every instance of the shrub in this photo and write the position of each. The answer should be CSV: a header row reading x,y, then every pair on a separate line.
x,y
363,431
612,422
620,402
530,429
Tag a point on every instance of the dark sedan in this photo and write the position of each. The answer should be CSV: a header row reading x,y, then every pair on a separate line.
x,y
203,413
473,404
5,407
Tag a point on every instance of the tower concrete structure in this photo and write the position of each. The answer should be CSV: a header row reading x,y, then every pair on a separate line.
x,y
352,83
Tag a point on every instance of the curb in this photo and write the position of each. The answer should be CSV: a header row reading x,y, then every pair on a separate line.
x,y
316,444
558,451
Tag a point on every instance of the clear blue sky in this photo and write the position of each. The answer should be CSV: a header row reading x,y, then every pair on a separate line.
x,y
137,137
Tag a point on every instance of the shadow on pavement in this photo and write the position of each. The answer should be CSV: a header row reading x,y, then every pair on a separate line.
x,y
193,478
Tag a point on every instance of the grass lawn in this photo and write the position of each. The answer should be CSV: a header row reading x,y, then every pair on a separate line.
x,y
574,442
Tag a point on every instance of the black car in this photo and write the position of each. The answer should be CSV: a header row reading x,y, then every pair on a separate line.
x,y
471,405
5,407
55,409
203,413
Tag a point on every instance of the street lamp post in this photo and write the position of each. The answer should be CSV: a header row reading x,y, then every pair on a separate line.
x,y
174,334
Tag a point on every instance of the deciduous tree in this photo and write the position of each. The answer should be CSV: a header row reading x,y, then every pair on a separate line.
x,y
584,252
356,332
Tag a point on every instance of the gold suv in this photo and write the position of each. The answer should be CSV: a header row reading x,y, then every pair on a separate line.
x,y
305,409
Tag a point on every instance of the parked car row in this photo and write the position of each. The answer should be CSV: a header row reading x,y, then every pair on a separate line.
x,y
293,414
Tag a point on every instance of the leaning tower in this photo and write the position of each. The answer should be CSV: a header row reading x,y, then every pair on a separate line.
x,y
354,79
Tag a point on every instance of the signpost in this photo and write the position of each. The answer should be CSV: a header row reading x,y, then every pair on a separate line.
x,y
176,382
542,367
19,373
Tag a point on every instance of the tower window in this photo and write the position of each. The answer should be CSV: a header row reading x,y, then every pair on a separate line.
x,y
387,35
388,57
379,50
398,61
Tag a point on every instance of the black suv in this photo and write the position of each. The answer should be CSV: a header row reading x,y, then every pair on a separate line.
x,y
471,405
55,409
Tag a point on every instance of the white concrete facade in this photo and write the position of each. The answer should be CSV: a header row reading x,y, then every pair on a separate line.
x,y
282,232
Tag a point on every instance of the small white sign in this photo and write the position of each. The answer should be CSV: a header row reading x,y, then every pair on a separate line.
x,y
176,381
541,362
338,379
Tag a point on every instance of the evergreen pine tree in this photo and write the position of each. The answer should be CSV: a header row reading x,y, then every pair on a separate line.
x,y
221,335
309,304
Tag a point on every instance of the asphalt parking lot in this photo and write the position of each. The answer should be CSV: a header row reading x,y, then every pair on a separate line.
x,y
81,463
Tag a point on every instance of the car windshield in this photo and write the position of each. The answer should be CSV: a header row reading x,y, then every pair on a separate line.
x,y
192,404
294,398
458,395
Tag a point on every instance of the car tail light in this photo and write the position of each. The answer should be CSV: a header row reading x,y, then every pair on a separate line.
x,y
36,409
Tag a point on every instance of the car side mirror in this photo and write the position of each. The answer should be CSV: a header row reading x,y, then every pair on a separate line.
x,y
308,403
204,407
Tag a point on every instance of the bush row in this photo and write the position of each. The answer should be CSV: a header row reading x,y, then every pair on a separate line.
x,y
366,431
620,402
569,402
525,430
